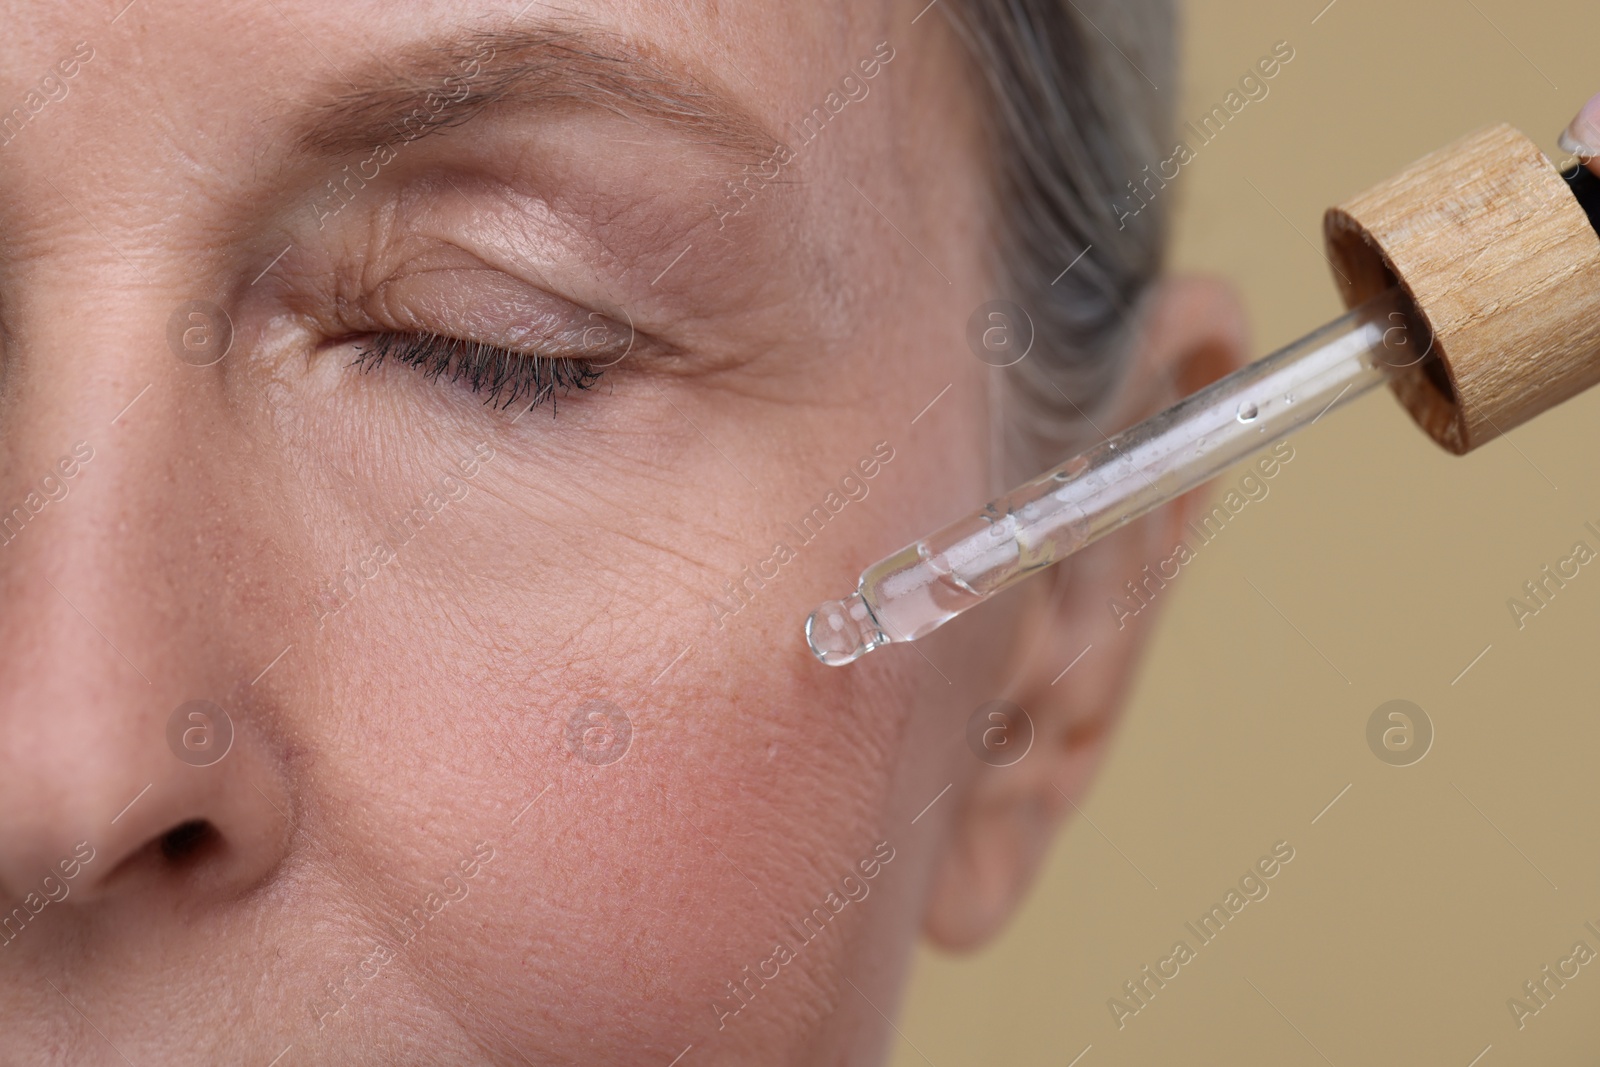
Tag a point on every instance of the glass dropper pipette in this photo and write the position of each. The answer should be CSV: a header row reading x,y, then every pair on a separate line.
x,y
926,584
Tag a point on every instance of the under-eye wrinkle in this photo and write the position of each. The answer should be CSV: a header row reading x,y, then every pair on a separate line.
x,y
504,376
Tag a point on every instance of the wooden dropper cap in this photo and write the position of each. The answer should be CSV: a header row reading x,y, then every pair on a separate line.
x,y
1502,265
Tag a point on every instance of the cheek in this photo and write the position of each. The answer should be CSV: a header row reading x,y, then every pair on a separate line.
x,y
540,669
685,823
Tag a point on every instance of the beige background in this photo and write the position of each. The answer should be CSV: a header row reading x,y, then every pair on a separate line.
x,y
1407,917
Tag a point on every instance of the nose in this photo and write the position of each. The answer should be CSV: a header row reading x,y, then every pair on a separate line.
x,y
137,751
106,791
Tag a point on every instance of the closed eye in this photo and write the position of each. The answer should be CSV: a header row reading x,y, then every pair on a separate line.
x,y
503,376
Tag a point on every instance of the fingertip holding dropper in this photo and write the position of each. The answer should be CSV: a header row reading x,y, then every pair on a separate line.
x,y
1582,137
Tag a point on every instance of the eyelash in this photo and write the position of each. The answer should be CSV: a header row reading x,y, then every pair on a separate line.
x,y
504,375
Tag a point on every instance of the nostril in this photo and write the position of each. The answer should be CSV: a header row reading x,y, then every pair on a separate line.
x,y
188,842
192,852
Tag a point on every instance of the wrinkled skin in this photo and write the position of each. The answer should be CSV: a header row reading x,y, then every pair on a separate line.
x,y
403,599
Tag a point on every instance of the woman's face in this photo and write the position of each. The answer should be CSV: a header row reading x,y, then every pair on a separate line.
x,y
528,760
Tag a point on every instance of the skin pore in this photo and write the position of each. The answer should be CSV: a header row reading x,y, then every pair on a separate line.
x,y
404,857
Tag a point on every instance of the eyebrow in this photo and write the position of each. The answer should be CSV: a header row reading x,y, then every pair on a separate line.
x,y
433,86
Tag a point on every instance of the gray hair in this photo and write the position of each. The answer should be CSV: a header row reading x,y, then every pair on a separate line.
x,y
1077,116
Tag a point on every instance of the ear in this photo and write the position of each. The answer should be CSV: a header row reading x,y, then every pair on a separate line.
x,y
1074,671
